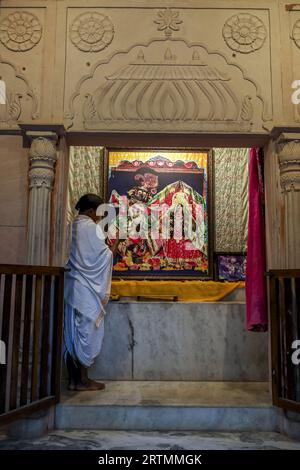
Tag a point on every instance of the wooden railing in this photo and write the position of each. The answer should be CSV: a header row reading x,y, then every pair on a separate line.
x,y
31,321
285,337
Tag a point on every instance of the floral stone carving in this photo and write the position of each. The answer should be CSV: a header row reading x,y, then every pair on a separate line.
x,y
168,21
244,33
20,31
91,32
296,33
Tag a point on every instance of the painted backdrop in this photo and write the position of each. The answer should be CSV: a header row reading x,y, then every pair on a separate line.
x,y
167,212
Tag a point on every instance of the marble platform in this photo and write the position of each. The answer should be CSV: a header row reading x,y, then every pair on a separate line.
x,y
180,341
237,295
153,406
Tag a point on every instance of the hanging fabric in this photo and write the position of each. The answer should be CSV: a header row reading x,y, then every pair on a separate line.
x,y
84,175
231,199
256,294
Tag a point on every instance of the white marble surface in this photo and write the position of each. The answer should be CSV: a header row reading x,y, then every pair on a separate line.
x,y
174,440
290,424
180,341
162,418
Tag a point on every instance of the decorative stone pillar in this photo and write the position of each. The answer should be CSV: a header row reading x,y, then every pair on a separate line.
x,y
288,148
42,160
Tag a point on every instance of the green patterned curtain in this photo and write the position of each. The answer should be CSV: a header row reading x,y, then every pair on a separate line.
x,y
85,175
231,199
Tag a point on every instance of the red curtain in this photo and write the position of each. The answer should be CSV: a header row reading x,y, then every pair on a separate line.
x,y
256,293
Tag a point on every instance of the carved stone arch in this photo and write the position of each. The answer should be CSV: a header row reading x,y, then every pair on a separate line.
x,y
167,85
21,103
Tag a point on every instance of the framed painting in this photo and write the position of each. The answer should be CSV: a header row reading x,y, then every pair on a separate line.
x,y
231,266
163,208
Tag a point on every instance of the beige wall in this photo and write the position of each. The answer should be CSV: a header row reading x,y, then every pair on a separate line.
x,y
13,200
69,70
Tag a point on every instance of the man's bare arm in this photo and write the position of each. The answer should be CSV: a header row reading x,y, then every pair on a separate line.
x,y
114,246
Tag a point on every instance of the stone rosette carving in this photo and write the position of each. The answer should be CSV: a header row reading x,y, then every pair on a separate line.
x,y
296,33
289,164
91,32
244,33
20,31
168,21
42,156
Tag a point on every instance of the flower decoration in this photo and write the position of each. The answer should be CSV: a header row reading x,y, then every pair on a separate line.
x,y
168,21
296,33
20,31
91,32
244,33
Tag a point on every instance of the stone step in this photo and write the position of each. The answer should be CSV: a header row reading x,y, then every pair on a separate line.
x,y
162,406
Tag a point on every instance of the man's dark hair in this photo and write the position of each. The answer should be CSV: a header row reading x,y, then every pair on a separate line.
x,y
88,201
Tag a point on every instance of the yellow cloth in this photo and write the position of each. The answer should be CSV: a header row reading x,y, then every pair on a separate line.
x,y
189,291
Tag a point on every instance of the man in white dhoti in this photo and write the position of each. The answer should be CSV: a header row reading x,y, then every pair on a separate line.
x,y
87,290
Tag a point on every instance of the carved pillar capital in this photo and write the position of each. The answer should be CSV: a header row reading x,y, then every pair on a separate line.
x,y
288,150
42,158
41,174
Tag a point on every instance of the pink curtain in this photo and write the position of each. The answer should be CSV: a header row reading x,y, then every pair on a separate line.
x,y
256,294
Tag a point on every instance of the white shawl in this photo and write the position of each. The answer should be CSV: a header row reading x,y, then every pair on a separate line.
x,y
88,283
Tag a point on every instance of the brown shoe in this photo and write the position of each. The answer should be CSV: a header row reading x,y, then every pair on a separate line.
x,y
90,385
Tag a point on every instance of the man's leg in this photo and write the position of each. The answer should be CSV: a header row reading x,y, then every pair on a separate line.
x,y
73,371
85,341
85,383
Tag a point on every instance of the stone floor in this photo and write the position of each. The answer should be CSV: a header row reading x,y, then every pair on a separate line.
x,y
124,440
172,406
158,393
161,396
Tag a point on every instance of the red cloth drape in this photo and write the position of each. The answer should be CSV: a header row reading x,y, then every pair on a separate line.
x,y
256,294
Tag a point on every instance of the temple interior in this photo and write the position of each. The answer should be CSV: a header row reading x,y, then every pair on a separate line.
x,y
182,122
